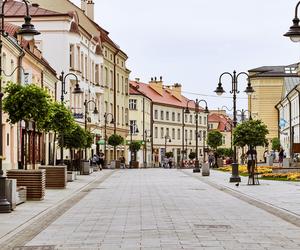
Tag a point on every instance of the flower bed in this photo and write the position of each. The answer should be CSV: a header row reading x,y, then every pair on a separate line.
x,y
243,169
282,176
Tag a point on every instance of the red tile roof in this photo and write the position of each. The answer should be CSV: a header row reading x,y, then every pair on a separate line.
x,y
222,120
16,8
166,98
11,29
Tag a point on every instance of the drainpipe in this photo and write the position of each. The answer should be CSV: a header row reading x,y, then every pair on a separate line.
x,y
298,113
151,128
115,98
182,150
145,149
19,127
291,128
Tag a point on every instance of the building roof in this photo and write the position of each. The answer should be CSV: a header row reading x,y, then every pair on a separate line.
x,y
15,8
165,99
276,71
222,120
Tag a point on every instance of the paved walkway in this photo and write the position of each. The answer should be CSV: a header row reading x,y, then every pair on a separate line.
x,y
164,209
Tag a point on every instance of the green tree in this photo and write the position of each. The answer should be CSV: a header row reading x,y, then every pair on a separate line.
x,y
276,144
169,154
228,152
115,140
134,147
214,140
28,103
192,155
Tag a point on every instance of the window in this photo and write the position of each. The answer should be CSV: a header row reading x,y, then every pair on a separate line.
x,y
200,135
82,64
205,118
93,73
156,132
173,133
118,115
97,73
86,67
200,119
186,118
178,134
111,108
72,56
167,115
162,134
126,115
178,117
133,127
162,115
106,77
122,116
122,84
132,104
167,132
118,82
155,114
204,135
191,118
191,134
126,86
78,58
185,134
173,116
111,79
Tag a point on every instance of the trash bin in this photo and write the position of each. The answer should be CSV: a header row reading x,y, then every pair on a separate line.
x,y
270,160
85,167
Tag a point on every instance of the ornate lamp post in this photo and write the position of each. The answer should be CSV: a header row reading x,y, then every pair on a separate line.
x,y
234,90
294,31
197,111
146,136
133,130
77,90
86,104
27,32
106,115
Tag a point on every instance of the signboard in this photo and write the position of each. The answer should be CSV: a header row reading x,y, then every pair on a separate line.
x,y
78,115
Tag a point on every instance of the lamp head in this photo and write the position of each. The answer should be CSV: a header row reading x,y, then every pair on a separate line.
x,y
27,30
186,110
112,121
294,31
77,89
170,140
249,90
96,111
206,111
219,90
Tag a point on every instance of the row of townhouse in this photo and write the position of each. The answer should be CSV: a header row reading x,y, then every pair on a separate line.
x,y
73,43
158,120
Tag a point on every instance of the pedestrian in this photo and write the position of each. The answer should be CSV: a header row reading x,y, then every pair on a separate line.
x,y
281,156
266,153
210,160
95,160
122,161
101,161
251,156
170,163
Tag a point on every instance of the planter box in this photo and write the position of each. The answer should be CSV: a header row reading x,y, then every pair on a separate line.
x,y
205,169
33,180
11,192
135,164
56,176
86,168
71,176
21,195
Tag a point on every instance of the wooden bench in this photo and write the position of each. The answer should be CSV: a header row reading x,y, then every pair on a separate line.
x,y
33,180
56,176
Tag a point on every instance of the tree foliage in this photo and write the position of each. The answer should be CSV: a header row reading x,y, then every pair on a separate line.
x,y
115,140
135,146
224,152
26,102
276,144
214,139
252,133
59,118
75,138
169,154
89,139
192,155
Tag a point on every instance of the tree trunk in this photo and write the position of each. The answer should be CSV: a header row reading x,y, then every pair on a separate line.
x,y
53,154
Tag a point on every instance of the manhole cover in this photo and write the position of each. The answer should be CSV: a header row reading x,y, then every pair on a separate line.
x,y
212,226
52,247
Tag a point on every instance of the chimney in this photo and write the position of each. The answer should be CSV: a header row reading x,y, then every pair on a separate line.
x,y
157,86
90,9
83,5
176,91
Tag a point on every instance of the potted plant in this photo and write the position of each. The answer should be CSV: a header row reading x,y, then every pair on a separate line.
x,y
134,147
214,140
115,140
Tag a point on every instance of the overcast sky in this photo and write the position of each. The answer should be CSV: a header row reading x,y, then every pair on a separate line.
x,y
193,41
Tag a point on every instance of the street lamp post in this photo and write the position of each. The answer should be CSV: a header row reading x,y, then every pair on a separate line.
x,y
234,90
294,31
106,115
166,139
197,111
77,90
146,136
86,104
27,32
133,130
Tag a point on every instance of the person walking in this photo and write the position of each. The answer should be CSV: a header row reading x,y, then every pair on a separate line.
x,y
281,156
95,160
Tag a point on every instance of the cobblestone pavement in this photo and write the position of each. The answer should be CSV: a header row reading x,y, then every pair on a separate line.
x,y
164,209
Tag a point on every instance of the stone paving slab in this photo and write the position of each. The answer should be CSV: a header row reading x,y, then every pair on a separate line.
x,y
165,209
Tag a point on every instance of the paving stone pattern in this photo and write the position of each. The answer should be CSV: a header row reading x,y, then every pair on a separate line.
x,y
165,209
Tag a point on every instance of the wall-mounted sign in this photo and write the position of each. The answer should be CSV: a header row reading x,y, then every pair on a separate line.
x,y
78,115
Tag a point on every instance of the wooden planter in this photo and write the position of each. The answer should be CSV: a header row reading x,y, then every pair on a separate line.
x,y
135,164
33,180
56,176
